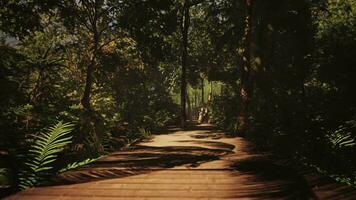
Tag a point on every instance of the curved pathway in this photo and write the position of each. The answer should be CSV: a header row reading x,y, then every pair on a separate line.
x,y
196,164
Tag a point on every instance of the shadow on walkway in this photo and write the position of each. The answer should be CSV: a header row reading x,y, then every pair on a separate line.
x,y
201,163
142,159
273,181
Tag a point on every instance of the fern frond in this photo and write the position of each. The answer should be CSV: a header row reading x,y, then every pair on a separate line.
x,y
75,165
339,140
44,152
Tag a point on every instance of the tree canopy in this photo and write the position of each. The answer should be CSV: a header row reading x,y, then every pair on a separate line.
x,y
279,72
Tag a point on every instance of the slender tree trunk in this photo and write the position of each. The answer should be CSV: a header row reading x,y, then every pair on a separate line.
x,y
88,86
211,91
195,109
90,70
246,89
183,93
36,92
189,108
202,92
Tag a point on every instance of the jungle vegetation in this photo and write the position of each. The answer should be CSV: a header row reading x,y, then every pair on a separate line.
x,y
82,78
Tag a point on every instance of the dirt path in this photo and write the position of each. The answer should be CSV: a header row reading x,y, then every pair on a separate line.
x,y
197,164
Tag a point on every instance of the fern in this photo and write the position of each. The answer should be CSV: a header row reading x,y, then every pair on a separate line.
x,y
341,140
342,137
75,165
144,133
44,152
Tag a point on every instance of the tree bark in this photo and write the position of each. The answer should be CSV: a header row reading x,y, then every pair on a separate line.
x,y
189,108
195,99
88,87
183,93
85,101
246,89
202,92
211,92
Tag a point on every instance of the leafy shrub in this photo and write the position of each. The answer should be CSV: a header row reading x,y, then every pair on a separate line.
x,y
223,112
4,177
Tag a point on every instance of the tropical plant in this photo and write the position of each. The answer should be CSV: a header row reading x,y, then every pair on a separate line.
x,y
342,137
44,152
75,165
144,133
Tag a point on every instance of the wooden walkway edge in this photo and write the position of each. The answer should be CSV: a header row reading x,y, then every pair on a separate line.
x,y
196,164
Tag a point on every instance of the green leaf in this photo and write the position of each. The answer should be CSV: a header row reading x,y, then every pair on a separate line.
x,y
45,151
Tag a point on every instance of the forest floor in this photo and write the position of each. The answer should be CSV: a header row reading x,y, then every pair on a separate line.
x,y
199,163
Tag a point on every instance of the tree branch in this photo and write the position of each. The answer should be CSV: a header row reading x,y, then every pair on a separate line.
x,y
195,2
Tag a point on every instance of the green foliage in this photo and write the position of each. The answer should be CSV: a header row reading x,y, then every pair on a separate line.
x,y
223,112
144,133
341,138
4,177
75,165
303,77
44,152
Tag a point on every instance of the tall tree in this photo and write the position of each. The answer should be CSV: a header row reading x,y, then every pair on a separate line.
x,y
183,87
95,21
92,21
246,85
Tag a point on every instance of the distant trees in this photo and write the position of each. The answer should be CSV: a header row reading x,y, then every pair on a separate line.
x,y
186,61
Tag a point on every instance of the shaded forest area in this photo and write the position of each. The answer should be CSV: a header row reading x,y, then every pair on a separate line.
x,y
82,78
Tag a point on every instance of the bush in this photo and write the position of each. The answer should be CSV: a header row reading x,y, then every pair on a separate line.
x,y
223,112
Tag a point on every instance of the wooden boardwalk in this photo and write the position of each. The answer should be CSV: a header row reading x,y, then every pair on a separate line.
x,y
196,164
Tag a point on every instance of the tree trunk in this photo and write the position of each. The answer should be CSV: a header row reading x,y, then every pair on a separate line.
x,y
202,92
246,89
88,86
189,108
221,89
183,93
90,70
195,99
211,92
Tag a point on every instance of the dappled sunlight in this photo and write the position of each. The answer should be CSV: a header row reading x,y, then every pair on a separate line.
x,y
177,99
191,168
158,153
